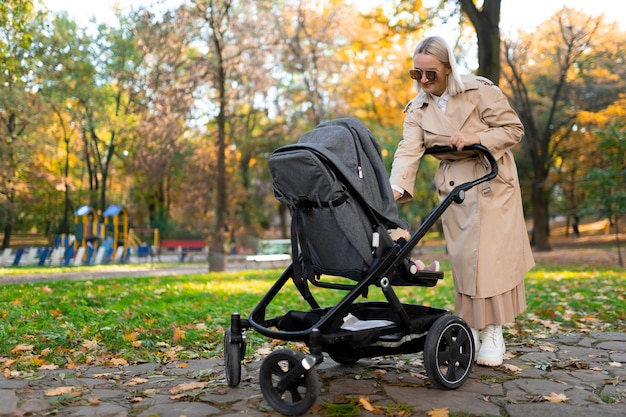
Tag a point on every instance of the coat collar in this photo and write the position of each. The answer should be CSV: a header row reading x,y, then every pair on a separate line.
x,y
457,112
470,82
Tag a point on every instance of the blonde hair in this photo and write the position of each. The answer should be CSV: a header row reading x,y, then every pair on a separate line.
x,y
439,48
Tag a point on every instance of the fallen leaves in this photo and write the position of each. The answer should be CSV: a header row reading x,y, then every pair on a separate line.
x,y
184,390
512,368
136,381
64,390
90,344
439,412
190,386
556,398
548,347
365,403
21,348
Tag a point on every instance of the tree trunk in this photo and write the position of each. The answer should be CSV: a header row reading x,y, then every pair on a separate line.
x,y
65,226
8,228
486,23
217,256
618,242
540,216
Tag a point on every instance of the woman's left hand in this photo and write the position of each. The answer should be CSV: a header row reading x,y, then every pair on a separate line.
x,y
463,139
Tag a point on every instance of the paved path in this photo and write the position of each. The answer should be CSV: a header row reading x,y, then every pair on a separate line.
x,y
585,371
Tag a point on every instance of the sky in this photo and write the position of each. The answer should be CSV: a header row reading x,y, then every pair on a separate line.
x,y
514,14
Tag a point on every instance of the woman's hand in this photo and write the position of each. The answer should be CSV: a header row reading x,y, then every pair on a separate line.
x,y
396,195
463,139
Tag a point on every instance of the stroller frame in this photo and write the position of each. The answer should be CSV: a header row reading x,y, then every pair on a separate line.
x,y
287,377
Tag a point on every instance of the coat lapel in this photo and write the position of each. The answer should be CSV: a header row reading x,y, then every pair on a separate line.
x,y
438,123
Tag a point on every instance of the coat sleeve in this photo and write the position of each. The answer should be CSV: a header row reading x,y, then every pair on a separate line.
x,y
408,155
505,130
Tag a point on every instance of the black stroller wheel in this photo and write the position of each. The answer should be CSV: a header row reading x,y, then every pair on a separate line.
x,y
291,395
449,352
233,354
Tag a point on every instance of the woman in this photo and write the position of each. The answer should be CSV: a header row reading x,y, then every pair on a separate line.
x,y
486,234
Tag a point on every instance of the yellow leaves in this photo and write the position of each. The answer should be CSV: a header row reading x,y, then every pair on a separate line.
x,y
389,410
118,361
136,381
556,398
366,404
190,386
46,289
179,335
130,336
65,390
37,360
439,412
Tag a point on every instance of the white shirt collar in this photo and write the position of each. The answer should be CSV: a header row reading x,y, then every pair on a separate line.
x,y
442,100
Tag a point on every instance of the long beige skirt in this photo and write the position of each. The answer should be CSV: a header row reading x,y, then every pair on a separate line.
x,y
501,309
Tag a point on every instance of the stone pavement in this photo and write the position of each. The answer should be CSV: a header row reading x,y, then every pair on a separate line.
x,y
585,372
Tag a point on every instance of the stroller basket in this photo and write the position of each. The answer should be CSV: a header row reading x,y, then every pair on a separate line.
x,y
339,228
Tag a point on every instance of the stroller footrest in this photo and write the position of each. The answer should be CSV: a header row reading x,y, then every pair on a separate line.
x,y
424,278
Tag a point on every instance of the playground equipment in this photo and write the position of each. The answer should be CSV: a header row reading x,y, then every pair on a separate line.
x,y
116,225
88,233
108,235
97,238
138,239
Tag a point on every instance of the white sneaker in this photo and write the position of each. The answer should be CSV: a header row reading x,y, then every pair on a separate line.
x,y
492,348
476,334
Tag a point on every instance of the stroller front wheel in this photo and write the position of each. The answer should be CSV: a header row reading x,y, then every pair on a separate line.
x,y
233,354
449,352
286,386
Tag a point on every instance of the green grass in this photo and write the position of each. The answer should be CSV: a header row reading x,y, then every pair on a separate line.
x,y
69,323
21,270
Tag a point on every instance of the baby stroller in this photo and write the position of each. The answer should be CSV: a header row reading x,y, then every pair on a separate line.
x,y
336,187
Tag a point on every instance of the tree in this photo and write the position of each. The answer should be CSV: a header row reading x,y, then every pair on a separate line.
x,y
486,22
552,74
18,104
110,112
166,80
65,70
217,18
605,180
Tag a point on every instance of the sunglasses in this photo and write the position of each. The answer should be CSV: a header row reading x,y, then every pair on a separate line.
x,y
416,74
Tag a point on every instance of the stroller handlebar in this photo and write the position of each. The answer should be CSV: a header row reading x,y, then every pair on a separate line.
x,y
481,149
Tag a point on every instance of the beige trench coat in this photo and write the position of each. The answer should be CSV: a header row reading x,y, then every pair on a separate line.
x,y
486,235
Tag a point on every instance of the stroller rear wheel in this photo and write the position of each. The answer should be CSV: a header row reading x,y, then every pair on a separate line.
x,y
233,354
287,387
449,352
